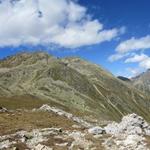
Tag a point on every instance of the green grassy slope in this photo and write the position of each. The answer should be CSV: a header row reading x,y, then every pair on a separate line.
x,y
71,83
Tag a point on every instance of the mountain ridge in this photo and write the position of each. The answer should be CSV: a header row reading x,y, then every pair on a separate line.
x,y
71,82
142,82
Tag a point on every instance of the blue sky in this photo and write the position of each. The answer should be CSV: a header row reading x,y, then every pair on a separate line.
x,y
112,33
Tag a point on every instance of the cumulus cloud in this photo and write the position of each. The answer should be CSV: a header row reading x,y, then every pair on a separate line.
x,y
142,59
134,44
130,49
132,72
145,63
136,58
116,57
45,22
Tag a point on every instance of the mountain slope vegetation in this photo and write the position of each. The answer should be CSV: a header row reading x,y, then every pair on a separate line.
x,y
70,83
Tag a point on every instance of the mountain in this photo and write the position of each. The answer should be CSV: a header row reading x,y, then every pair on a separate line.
x,y
142,82
124,78
73,84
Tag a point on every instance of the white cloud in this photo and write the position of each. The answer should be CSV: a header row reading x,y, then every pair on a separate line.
x,y
143,60
126,49
136,58
132,72
145,63
134,44
61,22
116,57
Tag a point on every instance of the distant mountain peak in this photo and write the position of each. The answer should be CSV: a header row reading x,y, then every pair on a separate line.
x,y
142,82
123,78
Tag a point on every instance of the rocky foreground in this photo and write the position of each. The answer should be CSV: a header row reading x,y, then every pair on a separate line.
x,y
132,133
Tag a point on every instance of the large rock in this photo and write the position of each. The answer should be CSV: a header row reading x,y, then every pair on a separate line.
x,y
130,124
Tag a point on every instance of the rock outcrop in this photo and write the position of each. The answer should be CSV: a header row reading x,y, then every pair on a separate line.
x,y
128,134
35,139
60,112
130,124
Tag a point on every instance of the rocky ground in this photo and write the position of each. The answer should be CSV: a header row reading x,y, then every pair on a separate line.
x,y
50,128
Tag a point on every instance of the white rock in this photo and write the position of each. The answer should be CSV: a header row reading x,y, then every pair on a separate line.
x,y
97,136
39,135
112,128
42,147
125,142
76,126
132,140
60,112
6,144
62,144
79,140
96,130
147,131
45,107
130,124
2,109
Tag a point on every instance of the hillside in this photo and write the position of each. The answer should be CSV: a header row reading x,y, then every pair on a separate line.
x,y
72,84
142,82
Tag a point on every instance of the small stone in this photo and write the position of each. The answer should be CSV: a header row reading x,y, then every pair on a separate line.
x,y
98,136
62,144
96,130
2,109
76,126
42,147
